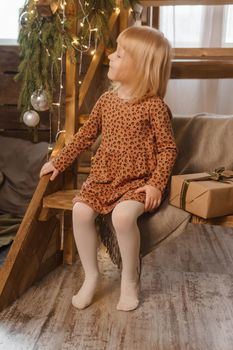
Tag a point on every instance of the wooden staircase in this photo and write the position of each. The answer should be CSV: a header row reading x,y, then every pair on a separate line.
x,y
44,239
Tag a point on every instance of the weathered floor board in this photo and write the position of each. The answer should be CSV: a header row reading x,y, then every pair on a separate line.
x,y
186,303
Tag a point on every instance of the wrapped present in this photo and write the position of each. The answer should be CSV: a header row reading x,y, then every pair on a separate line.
x,y
207,195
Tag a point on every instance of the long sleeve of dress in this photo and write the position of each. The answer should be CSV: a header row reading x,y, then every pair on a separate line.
x,y
82,140
160,117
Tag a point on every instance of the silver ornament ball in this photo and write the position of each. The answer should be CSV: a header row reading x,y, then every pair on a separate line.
x,y
39,100
31,118
23,19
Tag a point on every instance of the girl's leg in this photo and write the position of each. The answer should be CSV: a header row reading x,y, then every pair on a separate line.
x,y
86,241
124,219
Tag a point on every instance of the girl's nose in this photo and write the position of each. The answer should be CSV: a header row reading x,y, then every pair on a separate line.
x,y
110,56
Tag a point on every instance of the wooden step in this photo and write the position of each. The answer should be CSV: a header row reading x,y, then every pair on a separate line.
x,y
60,200
83,169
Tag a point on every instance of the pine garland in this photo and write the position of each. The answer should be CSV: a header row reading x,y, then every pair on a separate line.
x,y
43,40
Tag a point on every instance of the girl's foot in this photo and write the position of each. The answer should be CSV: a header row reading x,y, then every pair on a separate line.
x,y
86,293
129,295
130,288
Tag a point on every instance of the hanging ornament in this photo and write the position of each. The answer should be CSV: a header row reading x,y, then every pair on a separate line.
x,y
39,100
23,19
46,8
31,118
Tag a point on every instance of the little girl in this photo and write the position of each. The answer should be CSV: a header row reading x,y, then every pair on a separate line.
x,y
133,163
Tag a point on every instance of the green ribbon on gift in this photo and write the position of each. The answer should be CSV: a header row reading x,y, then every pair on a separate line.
x,y
219,174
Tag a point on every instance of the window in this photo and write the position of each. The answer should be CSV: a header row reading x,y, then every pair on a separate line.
x,y
9,20
184,31
184,26
228,30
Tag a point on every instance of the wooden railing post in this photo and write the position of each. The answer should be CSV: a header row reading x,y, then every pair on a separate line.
x,y
71,122
124,17
71,126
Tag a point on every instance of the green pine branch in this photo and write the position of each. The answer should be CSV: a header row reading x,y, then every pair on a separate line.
x,y
42,41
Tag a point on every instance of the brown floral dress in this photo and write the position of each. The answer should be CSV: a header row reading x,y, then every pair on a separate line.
x,y
137,148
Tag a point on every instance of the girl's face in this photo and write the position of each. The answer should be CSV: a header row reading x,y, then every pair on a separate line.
x,y
121,66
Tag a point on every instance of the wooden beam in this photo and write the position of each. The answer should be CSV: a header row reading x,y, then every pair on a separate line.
x,y
203,53
43,135
94,63
71,121
9,58
124,17
155,17
197,69
69,246
183,2
11,89
72,93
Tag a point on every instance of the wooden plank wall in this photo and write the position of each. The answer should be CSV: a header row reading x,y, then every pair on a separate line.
x,y
10,124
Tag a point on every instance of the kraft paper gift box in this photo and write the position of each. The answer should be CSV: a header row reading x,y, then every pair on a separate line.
x,y
207,195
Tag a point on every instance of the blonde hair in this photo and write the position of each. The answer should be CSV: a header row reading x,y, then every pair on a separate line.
x,y
152,54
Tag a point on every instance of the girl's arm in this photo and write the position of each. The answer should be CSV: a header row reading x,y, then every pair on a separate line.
x,y
167,151
82,140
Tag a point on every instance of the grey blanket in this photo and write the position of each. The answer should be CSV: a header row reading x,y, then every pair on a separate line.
x,y
20,163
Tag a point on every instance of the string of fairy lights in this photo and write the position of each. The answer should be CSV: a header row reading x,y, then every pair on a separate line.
x,y
82,44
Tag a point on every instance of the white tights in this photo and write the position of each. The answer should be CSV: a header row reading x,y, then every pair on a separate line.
x,y
124,219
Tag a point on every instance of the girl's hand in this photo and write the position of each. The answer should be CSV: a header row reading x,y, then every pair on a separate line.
x,y
49,168
153,196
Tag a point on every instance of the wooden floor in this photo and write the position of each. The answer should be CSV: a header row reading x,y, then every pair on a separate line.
x,y
186,303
